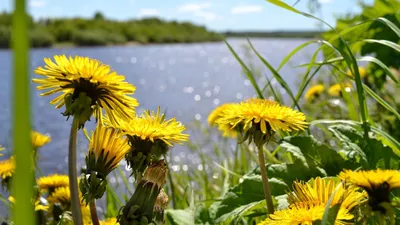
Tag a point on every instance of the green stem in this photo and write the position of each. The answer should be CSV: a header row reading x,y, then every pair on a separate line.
x,y
72,173
267,190
172,185
382,219
93,213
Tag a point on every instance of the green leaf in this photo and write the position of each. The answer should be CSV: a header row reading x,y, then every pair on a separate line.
x,y
235,215
329,216
179,217
242,196
369,152
317,154
113,204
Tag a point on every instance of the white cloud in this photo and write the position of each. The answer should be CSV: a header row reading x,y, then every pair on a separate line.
x,y
247,9
37,3
148,12
193,7
210,16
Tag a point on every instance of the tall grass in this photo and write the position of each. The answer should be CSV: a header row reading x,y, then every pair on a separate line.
x,y
24,176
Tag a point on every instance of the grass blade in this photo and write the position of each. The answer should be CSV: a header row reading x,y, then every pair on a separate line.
x,y
381,101
278,77
349,58
248,73
24,175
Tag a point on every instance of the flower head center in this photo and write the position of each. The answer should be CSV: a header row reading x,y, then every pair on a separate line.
x,y
377,195
85,86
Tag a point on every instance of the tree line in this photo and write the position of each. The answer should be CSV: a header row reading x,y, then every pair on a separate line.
x,y
99,30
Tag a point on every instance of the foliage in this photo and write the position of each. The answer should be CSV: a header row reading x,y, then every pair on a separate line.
x,y
354,129
102,31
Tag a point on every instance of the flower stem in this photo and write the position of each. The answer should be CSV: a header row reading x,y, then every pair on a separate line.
x,y
72,173
93,213
267,190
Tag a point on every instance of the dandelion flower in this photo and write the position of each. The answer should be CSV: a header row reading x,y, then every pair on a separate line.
x,y
377,183
304,214
314,91
319,191
38,139
336,89
78,76
227,130
38,205
2,149
7,168
62,196
52,182
110,221
152,127
266,114
361,70
108,147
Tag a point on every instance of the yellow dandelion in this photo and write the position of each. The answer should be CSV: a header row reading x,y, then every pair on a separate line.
x,y
336,89
361,70
38,206
111,221
314,91
7,168
267,114
1,149
319,191
60,195
106,143
78,75
305,214
38,139
152,126
226,130
377,183
53,181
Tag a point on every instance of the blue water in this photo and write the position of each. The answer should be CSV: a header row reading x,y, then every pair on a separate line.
x,y
187,80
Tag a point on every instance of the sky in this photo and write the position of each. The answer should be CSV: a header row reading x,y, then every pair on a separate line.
x,y
218,15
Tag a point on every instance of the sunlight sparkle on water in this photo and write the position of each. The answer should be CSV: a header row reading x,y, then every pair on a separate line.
x,y
200,167
197,98
197,116
216,89
216,101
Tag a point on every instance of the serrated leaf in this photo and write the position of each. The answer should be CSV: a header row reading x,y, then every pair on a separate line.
x,y
314,153
180,217
370,152
243,195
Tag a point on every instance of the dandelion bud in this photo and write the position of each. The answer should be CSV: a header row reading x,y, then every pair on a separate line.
x,y
160,205
106,149
139,209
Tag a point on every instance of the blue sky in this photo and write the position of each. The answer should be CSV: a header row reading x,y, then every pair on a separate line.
x,y
220,15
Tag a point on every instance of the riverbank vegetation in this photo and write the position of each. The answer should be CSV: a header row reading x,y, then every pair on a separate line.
x,y
99,30
325,153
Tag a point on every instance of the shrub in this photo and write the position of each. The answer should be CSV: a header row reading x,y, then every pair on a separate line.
x,y
5,34
41,38
115,38
90,38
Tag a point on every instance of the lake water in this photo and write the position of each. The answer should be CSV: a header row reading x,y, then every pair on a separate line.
x,y
187,80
